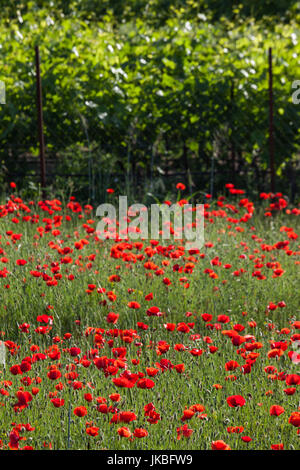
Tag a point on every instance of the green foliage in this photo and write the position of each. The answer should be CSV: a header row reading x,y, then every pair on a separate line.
x,y
141,95
156,12
79,312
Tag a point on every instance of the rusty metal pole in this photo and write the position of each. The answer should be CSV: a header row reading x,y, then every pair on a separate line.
x,y
231,126
40,122
271,126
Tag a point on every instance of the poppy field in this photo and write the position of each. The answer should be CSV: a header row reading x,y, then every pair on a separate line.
x,y
140,344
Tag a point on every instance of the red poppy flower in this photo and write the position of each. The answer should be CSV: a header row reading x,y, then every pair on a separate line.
x,y
54,374
23,399
294,419
206,317
112,317
75,351
223,319
154,312
184,431
134,305
58,402
277,447
276,410
236,400
127,417
151,371
80,411
123,382
124,432
219,445
140,432
149,297
246,439
145,383
21,262
290,391
231,365
292,379
92,431
115,397
179,368
88,397
235,429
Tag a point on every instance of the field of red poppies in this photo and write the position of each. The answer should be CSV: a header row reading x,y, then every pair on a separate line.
x,y
120,344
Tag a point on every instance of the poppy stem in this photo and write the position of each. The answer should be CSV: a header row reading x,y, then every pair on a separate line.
x,y
69,424
131,397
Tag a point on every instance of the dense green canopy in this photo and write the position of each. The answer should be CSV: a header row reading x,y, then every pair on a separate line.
x,y
139,90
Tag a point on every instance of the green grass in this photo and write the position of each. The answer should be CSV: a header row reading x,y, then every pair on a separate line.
x,y
27,297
